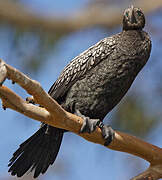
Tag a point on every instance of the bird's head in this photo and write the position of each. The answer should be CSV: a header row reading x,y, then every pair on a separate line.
x,y
133,19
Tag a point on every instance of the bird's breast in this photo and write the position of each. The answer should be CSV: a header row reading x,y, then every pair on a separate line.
x,y
104,85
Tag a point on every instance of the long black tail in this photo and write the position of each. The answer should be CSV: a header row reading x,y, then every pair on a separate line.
x,y
37,152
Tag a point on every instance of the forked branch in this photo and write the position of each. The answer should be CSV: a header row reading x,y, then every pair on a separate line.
x,y
54,115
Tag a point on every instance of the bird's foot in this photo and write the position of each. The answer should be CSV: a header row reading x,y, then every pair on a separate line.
x,y
107,133
89,125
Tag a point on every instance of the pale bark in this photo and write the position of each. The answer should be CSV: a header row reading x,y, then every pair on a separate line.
x,y
54,115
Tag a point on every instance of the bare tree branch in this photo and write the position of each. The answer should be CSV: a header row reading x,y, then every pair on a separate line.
x,y
54,115
108,17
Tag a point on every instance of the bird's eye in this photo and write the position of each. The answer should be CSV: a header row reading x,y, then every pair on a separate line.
x,y
139,13
127,14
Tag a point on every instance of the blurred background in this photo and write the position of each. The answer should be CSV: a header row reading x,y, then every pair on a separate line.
x,y
39,38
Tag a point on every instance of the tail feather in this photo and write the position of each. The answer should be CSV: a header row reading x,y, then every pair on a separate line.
x,y
39,164
48,162
37,152
51,156
26,144
25,160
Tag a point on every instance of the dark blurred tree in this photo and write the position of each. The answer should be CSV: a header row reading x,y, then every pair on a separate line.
x,y
131,117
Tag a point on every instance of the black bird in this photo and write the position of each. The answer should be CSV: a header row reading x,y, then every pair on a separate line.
x,y
91,85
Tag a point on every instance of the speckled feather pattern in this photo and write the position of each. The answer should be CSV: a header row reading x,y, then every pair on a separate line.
x,y
80,65
96,80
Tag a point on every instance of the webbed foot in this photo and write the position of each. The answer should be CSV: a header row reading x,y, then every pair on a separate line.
x,y
107,133
89,125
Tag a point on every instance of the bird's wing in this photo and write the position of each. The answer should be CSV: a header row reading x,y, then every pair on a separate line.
x,y
78,67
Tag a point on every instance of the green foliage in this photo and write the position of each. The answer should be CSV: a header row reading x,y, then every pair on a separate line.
x,y
32,47
132,117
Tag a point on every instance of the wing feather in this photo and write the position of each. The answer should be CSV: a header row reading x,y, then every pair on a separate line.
x,y
78,67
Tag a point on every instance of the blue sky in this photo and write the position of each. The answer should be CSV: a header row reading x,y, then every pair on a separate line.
x,y
77,158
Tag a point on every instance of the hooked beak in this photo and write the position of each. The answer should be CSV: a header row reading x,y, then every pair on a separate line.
x,y
132,17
